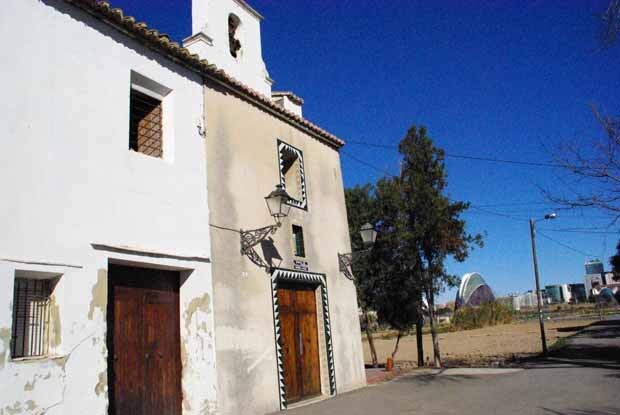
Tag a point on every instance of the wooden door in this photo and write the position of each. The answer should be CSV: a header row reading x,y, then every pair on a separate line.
x,y
144,337
300,346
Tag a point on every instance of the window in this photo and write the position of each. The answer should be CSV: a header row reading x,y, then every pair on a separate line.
x,y
147,113
234,44
292,175
145,134
31,316
298,241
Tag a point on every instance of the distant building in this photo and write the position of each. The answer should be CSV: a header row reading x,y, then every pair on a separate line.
x,y
594,266
555,294
551,294
577,293
527,299
596,278
473,291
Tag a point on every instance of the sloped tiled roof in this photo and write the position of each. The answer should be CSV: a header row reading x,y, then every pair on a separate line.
x,y
296,99
161,43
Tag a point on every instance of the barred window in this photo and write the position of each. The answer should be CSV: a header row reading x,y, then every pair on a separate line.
x,y
298,241
145,131
31,317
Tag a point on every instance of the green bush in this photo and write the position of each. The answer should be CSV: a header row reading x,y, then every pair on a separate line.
x,y
488,314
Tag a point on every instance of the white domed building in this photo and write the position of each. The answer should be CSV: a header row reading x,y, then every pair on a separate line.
x,y
473,291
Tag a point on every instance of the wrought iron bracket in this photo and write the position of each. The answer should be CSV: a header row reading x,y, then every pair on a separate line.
x,y
346,260
251,238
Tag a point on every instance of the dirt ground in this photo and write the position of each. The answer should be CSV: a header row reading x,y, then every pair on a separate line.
x,y
480,345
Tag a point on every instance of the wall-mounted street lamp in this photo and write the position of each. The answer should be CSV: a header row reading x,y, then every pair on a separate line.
x,y
369,236
543,338
277,203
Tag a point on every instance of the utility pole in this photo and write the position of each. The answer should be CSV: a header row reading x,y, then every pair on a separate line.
x,y
538,293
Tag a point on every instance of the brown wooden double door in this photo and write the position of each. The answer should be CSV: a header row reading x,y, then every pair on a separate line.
x,y
299,337
144,341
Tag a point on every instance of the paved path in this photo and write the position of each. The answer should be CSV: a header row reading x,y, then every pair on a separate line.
x,y
581,379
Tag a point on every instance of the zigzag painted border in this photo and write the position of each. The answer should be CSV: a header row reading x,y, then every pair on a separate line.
x,y
282,147
277,275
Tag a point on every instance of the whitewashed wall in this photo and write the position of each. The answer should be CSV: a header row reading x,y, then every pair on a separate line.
x,y
210,40
68,180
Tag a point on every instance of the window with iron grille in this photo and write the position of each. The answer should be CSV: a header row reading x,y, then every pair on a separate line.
x,y
298,241
31,317
145,124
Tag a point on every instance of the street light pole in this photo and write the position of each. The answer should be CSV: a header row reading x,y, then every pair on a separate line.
x,y
538,293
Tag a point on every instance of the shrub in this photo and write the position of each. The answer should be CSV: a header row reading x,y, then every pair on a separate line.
x,y
488,314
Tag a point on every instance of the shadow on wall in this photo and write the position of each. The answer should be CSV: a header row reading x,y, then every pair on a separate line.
x,y
270,253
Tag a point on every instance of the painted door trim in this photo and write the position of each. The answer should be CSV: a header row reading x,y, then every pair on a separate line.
x,y
279,275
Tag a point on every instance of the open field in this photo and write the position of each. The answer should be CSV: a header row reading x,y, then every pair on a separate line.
x,y
480,346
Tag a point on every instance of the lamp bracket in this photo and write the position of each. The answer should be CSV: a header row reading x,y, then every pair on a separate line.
x,y
346,260
253,237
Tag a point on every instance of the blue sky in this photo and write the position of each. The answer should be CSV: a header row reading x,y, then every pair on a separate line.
x,y
503,79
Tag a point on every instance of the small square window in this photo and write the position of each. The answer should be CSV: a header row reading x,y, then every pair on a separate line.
x,y
150,122
31,316
298,241
145,124
292,174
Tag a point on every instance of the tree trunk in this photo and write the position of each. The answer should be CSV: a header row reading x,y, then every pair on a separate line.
x,y
371,342
400,334
418,334
430,296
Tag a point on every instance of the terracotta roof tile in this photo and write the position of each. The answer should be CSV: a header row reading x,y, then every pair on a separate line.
x,y
161,42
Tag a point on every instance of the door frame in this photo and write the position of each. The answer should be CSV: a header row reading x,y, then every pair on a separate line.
x,y
279,275
110,324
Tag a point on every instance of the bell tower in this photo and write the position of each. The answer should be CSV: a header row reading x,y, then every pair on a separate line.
x,y
227,34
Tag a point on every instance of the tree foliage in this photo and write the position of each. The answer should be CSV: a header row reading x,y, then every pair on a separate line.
x,y
419,226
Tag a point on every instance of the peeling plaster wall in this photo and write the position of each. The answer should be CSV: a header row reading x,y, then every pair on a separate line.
x,y
69,180
242,170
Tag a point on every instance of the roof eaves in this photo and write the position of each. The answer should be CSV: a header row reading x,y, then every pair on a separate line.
x,y
161,43
296,99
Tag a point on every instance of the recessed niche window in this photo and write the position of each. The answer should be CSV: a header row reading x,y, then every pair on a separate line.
x,y
31,314
234,43
292,175
298,241
146,116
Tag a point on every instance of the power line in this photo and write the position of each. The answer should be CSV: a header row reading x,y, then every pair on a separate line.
x,y
494,160
514,204
504,215
467,157
564,245
584,231
480,209
367,164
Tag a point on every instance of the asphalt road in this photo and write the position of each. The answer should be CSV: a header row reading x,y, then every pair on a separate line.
x,y
582,378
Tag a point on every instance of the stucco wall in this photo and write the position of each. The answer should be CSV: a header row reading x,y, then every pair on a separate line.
x,y
211,19
242,170
69,180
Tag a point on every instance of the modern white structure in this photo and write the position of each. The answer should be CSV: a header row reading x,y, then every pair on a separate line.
x,y
473,291
527,299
